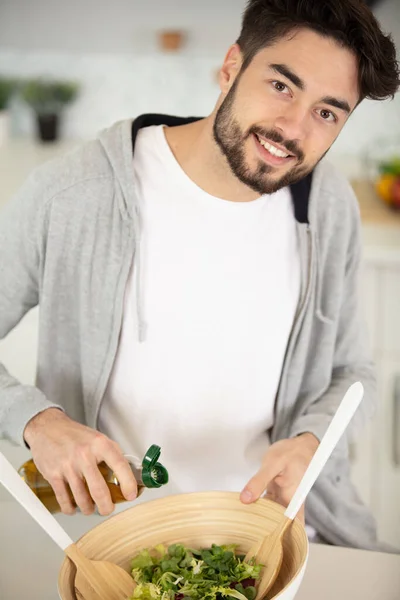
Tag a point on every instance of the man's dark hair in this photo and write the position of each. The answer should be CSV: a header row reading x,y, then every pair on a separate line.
x,y
350,22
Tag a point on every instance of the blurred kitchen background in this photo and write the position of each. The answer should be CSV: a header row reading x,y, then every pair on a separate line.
x,y
127,57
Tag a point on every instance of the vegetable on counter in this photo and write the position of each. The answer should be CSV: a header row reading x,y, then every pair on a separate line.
x,y
388,182
177,572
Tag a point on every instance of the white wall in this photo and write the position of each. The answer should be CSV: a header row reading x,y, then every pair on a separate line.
x,y
116,26
111,48
375,119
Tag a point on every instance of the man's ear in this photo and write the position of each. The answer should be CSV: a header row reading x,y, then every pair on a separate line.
x,y
230,68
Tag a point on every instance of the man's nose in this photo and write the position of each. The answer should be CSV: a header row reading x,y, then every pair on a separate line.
x,y
294,123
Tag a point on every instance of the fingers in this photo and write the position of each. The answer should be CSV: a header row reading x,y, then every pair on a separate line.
x,y
272,492
98,489
108,452
285,485
257,485
279,485
279,493
72,492
63,496
80,493
123,472
88,489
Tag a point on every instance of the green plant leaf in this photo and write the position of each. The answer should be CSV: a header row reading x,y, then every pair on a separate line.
x,y
7,87
48,96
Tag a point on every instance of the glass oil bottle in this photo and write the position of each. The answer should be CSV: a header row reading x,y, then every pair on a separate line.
x,y
148,474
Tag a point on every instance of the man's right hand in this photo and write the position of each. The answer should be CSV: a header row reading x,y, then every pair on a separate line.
x,y
67,453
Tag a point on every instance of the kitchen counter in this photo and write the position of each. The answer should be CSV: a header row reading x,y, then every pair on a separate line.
x,y
19,157
29,563
345,574
372,209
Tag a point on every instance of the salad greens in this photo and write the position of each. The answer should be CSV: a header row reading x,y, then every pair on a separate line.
x,y
177,573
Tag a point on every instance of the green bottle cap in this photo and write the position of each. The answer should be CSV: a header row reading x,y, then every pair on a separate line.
x,y
154,474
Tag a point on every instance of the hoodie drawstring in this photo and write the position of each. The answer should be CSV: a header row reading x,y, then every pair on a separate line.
x,y
141,324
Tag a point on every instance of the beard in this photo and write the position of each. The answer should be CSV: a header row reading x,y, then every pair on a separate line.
x,y
231,141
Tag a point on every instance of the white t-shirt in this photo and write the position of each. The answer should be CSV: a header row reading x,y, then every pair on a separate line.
x,y
220,286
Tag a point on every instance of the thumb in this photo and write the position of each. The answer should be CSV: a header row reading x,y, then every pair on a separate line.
x,y
257,485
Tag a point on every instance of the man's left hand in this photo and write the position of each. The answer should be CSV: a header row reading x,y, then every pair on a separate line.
x,y
281,471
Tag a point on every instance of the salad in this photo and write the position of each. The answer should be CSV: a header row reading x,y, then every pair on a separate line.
x,y
178,573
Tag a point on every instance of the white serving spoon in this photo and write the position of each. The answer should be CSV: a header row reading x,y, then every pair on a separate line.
x,y
270,552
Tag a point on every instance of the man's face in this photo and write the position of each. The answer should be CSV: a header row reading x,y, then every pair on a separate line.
x,y
281,115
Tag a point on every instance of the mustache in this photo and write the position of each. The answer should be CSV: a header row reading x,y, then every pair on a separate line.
x,y
273,135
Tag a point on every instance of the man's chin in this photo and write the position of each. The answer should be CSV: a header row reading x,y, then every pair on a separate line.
x,y
274,184
270,185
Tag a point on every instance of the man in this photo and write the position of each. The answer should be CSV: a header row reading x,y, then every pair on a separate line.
x,y
197,280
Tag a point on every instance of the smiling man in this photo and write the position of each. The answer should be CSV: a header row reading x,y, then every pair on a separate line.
x,y
197,280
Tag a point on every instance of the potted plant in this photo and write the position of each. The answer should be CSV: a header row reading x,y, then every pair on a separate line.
x,y
47,98
7,87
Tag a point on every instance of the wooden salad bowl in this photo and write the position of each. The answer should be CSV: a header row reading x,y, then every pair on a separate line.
x,y
197,520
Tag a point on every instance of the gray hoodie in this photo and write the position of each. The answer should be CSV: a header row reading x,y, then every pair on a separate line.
x,y
67,241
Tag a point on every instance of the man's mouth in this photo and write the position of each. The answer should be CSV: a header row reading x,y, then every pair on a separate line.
x,y
277,152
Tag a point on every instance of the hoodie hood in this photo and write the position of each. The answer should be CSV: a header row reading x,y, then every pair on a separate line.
x,y
116,143
118,146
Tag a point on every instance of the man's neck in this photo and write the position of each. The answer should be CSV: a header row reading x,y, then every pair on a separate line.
x,y
197,153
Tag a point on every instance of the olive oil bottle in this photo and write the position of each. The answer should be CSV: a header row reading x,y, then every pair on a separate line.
x,y
148,474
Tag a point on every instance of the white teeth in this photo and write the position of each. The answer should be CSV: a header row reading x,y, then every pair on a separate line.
x,y
272,149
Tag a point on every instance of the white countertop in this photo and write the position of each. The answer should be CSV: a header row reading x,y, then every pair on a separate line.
x,y
29,563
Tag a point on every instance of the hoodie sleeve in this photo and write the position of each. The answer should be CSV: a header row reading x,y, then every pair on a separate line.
x,y
23,224
352,360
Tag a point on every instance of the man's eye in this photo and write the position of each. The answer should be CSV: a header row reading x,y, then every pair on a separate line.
x,y
279,86
327,115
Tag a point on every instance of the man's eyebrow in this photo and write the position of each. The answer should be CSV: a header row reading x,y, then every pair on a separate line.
x,y
341,104
288,73
298,82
